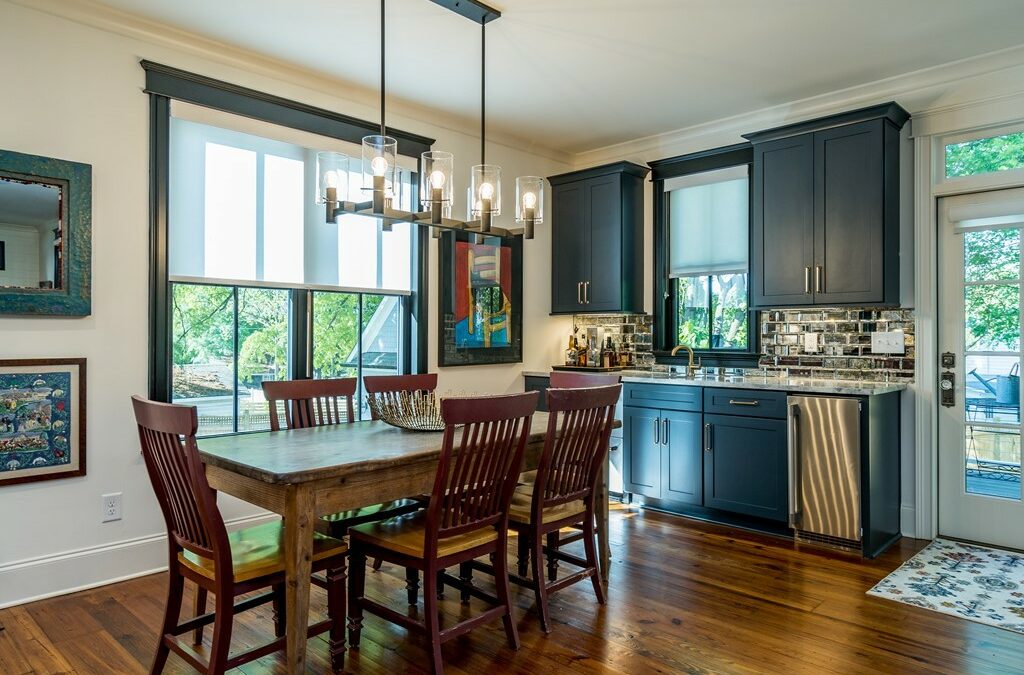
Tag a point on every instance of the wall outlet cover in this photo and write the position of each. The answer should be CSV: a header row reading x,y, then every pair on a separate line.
x,y
810,343
111,507
888,342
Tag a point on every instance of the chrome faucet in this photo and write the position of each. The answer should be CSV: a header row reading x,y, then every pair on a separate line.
x,y
691,367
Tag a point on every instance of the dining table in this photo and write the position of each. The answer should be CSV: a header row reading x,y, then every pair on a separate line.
x,y
303,474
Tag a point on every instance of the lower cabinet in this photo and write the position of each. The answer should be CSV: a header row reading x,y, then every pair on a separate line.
x,y
664,457
641,431
746,466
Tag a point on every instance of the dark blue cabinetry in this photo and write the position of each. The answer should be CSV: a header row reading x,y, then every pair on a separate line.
x,y
746,465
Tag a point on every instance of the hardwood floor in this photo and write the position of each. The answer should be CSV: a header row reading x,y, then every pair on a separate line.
x,y
684,597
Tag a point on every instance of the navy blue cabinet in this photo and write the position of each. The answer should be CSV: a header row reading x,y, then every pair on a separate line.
x,y
662,445
681,457
746,465
641,430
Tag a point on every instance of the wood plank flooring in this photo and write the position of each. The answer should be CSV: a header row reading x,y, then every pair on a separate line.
x,y
685,597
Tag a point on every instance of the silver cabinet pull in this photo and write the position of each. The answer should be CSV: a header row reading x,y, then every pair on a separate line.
x,y
819,283
793,447
752,404
707,438
579,292
807,281
586,292
657,431
664,431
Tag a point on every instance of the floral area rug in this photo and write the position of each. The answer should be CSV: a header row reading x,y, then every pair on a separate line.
x,y
973,582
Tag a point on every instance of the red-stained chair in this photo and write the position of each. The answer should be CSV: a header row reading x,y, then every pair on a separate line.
x,y
228,565
383,385
467,518
564,379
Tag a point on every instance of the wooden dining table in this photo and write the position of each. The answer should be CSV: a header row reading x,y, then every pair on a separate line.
x,y
303,474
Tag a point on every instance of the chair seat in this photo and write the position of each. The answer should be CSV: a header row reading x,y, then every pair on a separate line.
x,y
259,551
339,523
405,535
519,510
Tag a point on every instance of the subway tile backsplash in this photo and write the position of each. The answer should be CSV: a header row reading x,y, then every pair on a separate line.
x,y
630,332
844,342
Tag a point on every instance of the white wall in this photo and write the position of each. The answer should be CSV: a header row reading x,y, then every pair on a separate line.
x,y
52,537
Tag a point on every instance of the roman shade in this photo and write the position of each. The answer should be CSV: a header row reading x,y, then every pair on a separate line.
x,y
708,215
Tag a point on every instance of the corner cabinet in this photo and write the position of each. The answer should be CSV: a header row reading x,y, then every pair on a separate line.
x,y
597,240
826,209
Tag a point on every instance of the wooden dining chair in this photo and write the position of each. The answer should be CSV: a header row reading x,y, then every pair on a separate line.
x,y
579,424
467,518
564,379
228,565
312,403
385,385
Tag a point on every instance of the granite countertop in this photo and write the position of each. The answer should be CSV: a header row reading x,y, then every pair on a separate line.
x,y
805,385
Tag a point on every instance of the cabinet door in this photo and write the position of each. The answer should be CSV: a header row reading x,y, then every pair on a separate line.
x,y
782,223
682,479
604,244
642,453
849,216
745,466
568,247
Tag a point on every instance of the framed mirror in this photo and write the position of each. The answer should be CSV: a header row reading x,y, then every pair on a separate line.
x,y
45,236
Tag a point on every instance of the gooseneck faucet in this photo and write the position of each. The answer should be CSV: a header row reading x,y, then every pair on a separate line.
x,y
691,367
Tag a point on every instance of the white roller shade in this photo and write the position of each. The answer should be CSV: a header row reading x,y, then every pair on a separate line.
x,y
988,210
708,215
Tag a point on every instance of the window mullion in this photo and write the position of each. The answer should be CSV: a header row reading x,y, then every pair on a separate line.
x,y
234,425
359,358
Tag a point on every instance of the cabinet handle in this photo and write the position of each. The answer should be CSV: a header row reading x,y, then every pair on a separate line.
x,y
664,431
586,292
657,431
752,404
818,279
807,281
579,292
707,437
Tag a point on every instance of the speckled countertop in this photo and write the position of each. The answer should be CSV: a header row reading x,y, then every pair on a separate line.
x,y
804,385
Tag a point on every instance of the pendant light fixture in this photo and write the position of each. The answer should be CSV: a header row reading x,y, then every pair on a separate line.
x,y
381,173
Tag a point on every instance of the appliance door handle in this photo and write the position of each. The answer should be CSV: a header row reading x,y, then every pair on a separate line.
x,y
657,431
664,431
707,438
793,447
752,404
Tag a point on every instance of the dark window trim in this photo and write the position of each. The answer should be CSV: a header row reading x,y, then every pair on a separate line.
x,y
665,324
164,83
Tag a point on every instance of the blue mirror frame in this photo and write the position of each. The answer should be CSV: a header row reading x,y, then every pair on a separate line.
x,y
74,298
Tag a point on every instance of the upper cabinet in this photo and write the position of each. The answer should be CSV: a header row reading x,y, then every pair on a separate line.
x,y
825,210
597,240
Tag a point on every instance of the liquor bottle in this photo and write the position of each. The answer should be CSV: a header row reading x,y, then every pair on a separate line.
x,y
581,355
570,351
606,353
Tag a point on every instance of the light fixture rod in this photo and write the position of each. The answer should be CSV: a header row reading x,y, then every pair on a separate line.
x,y
483,93
383,52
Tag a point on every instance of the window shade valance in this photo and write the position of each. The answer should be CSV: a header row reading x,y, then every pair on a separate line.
x,y
708,216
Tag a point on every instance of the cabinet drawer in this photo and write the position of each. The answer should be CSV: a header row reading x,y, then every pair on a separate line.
x,y
746,402
664,397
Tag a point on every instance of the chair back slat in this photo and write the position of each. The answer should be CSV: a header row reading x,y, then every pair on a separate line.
x,y
562,379
167,434
389,387
477,474
579,426
311,403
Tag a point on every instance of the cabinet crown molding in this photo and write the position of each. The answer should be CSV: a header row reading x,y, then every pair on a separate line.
x,y
892,112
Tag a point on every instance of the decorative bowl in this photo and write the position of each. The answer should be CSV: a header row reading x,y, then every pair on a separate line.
x,y
415,411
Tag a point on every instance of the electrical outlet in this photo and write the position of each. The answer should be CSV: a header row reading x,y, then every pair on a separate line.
x,y
890,342
111,507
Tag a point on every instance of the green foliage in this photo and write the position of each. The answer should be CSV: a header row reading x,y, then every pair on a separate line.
x,y
715,319
203,328
335,333
985,155
992,314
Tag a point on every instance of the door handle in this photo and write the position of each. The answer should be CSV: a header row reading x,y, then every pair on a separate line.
x,y
752,404
707,438
793,451
664,431
819,279
807,281
657,431
586,292
579,292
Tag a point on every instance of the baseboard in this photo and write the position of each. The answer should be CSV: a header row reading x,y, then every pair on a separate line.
x,y
908,521
47,576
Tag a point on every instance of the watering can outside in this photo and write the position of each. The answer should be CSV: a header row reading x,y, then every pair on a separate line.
x,y
1008,387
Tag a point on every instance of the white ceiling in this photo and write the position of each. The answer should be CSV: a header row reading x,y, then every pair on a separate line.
x,y
33,204
576,75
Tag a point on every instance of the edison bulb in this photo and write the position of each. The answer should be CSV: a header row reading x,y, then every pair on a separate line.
x,y
486,191
437,179
331,179
529,200
379,166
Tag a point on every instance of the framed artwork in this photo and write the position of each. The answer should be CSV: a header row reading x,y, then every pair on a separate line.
x,y
42,419
481,299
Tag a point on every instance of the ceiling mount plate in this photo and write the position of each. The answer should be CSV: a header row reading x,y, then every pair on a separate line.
x,y
473,10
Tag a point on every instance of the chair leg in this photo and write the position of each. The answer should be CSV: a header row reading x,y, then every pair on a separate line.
x,y
552,560
539,584
175,588
466,577
336,612
523,550
440,584
503,591
222,625
432,620
377,562
412,584
280,615
591,553
356,590
198,609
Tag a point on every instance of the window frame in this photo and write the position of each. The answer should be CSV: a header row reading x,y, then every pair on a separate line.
x,y
163,84
665,295
978,181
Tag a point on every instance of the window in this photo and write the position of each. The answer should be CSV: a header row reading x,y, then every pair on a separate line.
x,y
985,155
702,224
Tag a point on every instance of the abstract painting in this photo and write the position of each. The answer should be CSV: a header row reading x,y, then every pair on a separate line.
x,y
481,300
42,419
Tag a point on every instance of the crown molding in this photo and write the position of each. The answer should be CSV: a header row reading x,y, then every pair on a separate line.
x,y
103,17
916,91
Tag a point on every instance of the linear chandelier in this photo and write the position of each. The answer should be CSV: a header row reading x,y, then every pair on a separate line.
x,y
381,175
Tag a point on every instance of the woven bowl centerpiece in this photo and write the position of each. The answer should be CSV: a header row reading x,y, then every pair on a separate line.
x,y
416,410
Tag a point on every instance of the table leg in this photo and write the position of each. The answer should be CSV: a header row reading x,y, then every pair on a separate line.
x,y
601,515
299,517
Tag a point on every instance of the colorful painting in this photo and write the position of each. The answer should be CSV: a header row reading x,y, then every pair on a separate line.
x,y
42,423
481,287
